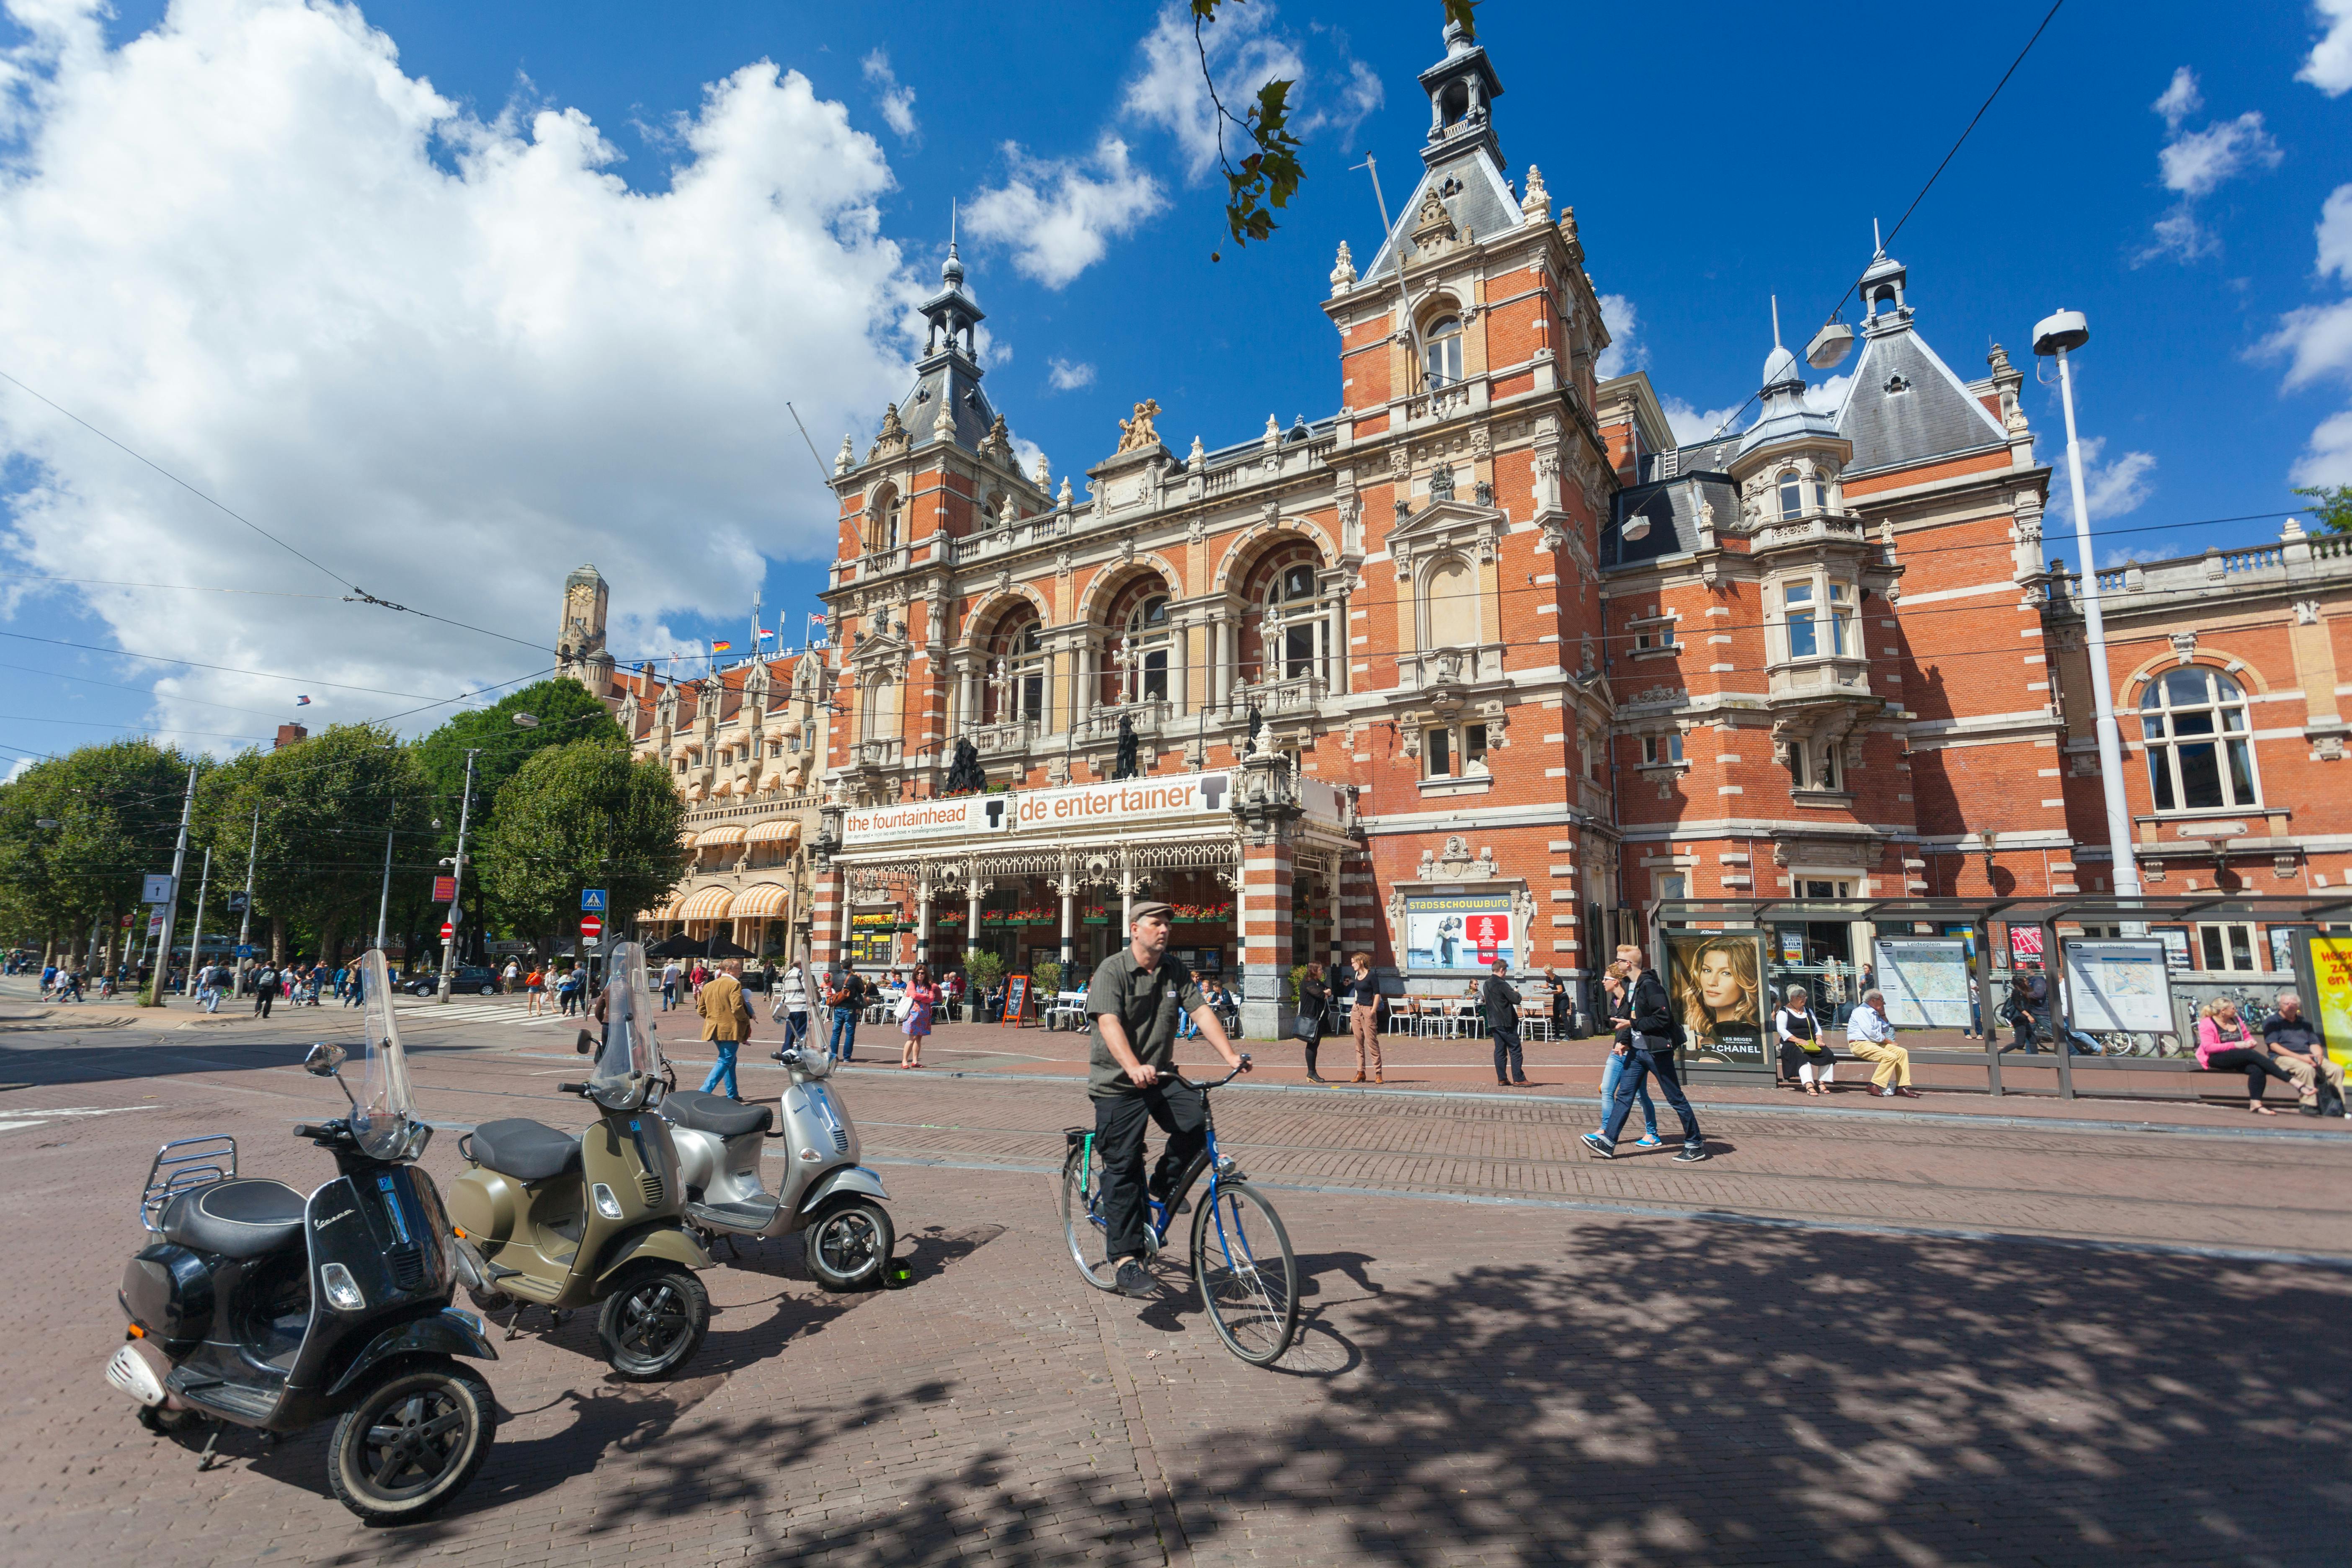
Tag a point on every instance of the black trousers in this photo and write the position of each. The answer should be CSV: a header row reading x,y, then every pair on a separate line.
x,y
2256,1063
262,999
1507,1048
1182,1113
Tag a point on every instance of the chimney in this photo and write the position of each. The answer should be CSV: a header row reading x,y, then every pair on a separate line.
x,y
289,734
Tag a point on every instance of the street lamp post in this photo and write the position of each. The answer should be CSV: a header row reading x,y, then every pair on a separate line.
x,y
2054,336
457,878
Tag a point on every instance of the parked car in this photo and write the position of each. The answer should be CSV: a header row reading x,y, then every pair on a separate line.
x,y
464,977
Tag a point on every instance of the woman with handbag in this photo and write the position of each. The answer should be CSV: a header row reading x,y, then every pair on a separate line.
x,y
1308,1025
915,1016
1805,1056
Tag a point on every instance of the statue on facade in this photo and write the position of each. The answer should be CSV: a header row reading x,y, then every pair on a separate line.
x,y
1129,745
964,774
1441,484
1138,435
1257,723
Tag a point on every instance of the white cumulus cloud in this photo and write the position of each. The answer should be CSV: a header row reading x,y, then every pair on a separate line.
x,y
1691,424
2110,489
2196,164
1068,377
2316,342
2180,99
2329,66
450,357
1626,352
1057,216
896,101
1170,92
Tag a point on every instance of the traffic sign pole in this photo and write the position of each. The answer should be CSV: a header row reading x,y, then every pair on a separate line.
x,y
457,880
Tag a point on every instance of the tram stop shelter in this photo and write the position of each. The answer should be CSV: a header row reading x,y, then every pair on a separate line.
x,y
2126,979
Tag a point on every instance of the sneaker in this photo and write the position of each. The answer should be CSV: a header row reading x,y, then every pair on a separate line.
x,y
1134,1280
1648,1141
1599,1145
1690,1154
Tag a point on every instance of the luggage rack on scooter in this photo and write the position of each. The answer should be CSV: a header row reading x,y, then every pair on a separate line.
x,y
196,1163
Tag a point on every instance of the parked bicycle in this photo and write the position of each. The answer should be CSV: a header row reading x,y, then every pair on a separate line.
x,y
1242,1259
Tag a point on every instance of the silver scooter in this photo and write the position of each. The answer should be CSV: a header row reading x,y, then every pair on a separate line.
x,y
824,1190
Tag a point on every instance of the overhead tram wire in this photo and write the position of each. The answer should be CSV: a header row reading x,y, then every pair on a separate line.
x,y
357,595
2048,17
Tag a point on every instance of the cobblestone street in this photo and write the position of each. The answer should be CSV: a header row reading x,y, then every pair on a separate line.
x,y
2006,1331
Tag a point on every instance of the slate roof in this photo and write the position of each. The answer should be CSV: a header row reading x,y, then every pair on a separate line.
x,y
1671,506
1932,416
1483,205
1705,457
947,394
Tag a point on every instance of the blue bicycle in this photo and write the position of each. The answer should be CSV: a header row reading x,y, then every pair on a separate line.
x,y
1241,1254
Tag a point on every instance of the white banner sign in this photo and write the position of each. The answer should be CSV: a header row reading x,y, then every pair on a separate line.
x,y
2120,987
952,818
1126,801
1925,980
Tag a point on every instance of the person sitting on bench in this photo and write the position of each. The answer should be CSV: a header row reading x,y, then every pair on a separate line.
x,y
2295,1044
1805,1054
1869,1035
2224,1044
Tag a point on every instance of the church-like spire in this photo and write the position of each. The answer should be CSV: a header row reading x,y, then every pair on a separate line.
x,y
1461,87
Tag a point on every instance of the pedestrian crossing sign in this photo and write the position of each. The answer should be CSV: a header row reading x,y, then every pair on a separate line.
x,y
592,901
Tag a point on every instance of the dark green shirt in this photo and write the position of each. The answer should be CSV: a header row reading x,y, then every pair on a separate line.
x,y
1148,1004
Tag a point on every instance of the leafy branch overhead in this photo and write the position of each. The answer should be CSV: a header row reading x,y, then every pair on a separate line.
x,y
1268,176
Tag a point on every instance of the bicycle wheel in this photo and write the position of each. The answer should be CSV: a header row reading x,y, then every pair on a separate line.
x,y
1082,1215
1243,1262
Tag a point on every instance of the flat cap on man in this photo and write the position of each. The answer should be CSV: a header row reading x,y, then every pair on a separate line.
x,y
1151,907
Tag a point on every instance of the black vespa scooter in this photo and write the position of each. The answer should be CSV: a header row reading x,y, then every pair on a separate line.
x,y
262,1309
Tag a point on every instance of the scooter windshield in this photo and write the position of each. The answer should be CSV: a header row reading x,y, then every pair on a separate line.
x,y
384,1121
630,1045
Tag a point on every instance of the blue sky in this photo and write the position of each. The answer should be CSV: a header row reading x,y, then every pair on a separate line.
x,y
1714,158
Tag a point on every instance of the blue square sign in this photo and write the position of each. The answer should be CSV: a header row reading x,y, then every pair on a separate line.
x,y
592,901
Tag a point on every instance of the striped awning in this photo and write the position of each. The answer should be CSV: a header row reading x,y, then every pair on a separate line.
x,y
725,837
786,830
761,902
710,904
723,787
667,911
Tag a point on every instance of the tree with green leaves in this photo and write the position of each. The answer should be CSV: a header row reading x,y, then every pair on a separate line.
x,y
2331,505
1268,176
585,816
116,807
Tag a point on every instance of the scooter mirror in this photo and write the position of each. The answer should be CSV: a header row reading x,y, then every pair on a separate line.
x,y
324,1059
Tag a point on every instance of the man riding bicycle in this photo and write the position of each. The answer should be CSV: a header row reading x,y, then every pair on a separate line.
x,y
1134,999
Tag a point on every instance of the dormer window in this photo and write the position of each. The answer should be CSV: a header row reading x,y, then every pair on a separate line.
x,y
1442,351
1792,496
1897,384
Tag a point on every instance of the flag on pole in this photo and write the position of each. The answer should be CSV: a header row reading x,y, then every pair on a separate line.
x,y
720,644
818,636
302,702
767,634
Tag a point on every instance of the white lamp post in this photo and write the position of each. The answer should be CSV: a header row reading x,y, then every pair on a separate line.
x,y
2054,335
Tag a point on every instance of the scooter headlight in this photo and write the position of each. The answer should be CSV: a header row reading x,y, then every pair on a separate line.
x,y
606,1203
344,1292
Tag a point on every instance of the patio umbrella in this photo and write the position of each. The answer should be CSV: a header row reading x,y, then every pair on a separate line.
x,y
678,946
720,947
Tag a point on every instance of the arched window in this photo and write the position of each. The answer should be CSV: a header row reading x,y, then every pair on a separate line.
x,y
1793,495
2201,754
1294,612
1144,677
1025,654
1442,351
884,520
1452,604
1820,493
881,708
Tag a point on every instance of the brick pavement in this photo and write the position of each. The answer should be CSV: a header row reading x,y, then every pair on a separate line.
x,y
1478,1381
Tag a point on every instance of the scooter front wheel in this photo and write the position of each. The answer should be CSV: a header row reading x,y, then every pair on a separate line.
x,y
654,1323
412,1442
849,1244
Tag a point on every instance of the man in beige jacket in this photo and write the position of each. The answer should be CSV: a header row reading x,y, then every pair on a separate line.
x,y
727,1021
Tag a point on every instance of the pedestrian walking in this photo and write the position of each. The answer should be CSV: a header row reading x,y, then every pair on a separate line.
x,y
1498,999
1308,1027
922,997
513,974
845,994
790,1005
1616,983
1650,1052
1869,1035
265,991
670,977
727,1023
534,991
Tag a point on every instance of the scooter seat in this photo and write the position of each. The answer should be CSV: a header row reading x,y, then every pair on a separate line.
x,y
527,1150
244,1217
715,1113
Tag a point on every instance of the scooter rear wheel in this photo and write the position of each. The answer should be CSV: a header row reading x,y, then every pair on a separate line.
x,y
412,1442
654,1323
849,1245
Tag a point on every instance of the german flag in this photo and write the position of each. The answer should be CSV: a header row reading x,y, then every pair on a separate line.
x,y
718,647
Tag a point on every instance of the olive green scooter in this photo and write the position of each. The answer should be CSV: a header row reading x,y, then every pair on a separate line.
x,y
545,1219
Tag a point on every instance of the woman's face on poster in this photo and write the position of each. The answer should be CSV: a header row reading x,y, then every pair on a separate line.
x,y
1719,983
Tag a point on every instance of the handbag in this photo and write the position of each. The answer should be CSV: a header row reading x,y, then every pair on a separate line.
x,y
1307,1028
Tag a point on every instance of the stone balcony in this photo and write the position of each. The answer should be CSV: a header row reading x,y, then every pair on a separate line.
x,y
1823,677
2297,557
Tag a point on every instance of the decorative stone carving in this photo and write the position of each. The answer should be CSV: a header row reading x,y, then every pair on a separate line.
x,y
1400,462
1441,484
2306,612
1552,538
846,459
1535,205
2184,645
1137,435
892,441
1198,529
1062,559
998,443
1481,443
1343,271
1044,475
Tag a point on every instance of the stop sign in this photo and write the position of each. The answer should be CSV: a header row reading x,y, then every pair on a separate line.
x,y
448,931
591,926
